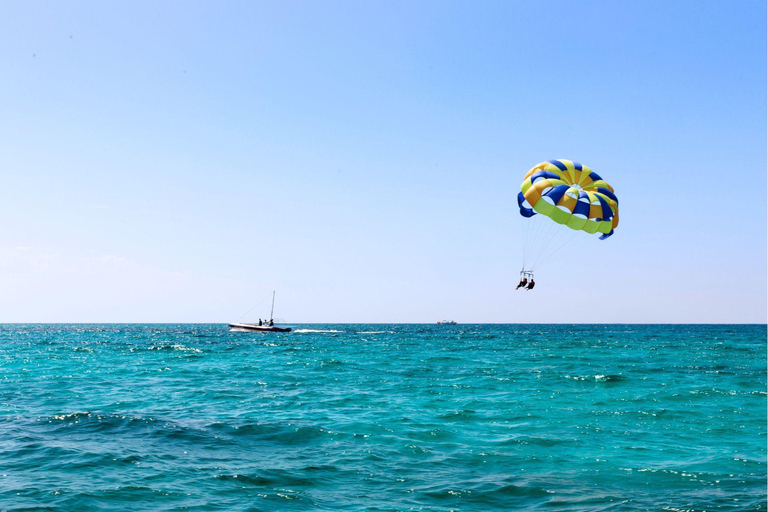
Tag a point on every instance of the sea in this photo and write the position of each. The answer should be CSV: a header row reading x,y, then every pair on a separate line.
x,y
377,417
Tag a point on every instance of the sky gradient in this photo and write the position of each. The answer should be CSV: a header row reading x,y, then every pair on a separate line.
x,y
178,161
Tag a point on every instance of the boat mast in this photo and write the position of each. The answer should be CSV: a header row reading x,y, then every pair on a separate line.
x,y
273,306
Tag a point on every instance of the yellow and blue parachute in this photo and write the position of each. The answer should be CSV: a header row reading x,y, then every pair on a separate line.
x,y
570,194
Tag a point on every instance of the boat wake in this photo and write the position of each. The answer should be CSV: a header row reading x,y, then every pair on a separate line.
x,y
317,330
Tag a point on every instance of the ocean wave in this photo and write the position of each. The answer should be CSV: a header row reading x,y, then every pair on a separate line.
x,y
175,346
81,422
489,494
272,432
271,478
96,422
597,378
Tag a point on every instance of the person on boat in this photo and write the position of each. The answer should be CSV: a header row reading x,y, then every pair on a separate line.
x,y
522,283
531,284
271,323
259,321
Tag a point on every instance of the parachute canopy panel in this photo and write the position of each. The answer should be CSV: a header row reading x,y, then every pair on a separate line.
x,y
570,194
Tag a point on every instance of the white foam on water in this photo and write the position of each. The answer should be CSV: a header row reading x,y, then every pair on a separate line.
x,y
176,346
316,330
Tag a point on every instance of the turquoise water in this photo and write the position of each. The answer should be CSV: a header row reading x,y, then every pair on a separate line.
x,y
383,417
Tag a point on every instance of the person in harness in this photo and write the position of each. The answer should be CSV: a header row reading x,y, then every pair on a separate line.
x,y
524,283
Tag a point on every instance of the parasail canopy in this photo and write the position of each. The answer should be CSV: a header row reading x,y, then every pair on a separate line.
x,y
570,194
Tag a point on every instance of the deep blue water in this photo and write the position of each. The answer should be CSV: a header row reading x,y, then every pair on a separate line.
x,y
383,417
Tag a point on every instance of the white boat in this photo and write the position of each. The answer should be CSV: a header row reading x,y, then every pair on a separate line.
x,y
267,326
260,328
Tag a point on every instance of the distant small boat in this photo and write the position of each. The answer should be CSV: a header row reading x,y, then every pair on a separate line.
x,y
261,328
267,326
446,322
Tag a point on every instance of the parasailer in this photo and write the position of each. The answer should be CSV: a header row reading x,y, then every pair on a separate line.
x,y
524,275
560,193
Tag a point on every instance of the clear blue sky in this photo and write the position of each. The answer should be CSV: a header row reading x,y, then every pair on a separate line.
x,y
177,161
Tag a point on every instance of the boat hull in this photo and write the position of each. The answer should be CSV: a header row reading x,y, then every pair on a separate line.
x,y
260,328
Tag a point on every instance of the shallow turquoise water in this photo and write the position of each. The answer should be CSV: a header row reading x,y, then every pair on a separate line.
x,y
383,417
